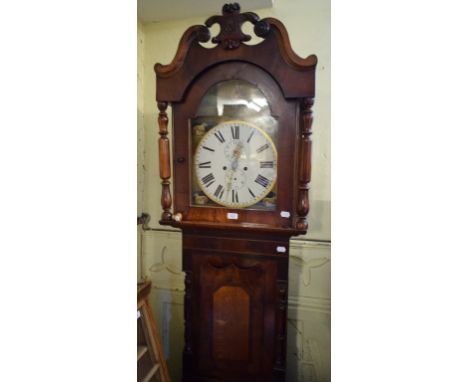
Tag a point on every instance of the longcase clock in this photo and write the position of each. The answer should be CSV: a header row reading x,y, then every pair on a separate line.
x,y
241,150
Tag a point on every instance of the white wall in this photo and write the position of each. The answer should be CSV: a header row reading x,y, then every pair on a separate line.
x,y
308,24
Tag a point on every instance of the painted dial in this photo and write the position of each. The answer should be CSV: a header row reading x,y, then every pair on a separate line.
x,y
235,164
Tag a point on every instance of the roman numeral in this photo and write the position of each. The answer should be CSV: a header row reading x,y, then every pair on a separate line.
x,y
207,148
250,136
235,197
220,136
205,165
262,181
264,147
235,132
266,164
219,192
251,193
208,180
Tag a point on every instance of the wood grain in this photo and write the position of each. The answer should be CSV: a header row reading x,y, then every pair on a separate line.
x,y
231,319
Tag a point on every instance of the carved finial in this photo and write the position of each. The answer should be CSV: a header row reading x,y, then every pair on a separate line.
x,y
231,35
231,8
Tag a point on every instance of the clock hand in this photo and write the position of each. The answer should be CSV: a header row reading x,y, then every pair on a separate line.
x,y
229,184
236,155
234,166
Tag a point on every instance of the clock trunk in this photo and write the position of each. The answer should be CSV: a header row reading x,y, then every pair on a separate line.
x,y
235,306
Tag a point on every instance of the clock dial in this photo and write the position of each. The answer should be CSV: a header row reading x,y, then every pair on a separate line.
x,y
235,164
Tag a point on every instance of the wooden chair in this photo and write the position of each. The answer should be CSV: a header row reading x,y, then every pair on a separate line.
x,y
151,363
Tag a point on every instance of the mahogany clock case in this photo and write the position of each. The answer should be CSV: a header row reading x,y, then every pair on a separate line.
x,y
236,280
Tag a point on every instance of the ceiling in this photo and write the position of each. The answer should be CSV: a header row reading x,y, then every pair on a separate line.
x,y
161,10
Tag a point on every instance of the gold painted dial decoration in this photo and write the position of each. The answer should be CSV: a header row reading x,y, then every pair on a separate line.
x,y
235,164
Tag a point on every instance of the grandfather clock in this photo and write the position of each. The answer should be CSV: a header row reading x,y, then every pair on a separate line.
x,y
241,118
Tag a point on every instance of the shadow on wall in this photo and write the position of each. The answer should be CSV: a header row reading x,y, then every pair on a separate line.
x,y
308,325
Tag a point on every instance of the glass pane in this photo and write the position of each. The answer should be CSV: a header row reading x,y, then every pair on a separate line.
x,y
234,138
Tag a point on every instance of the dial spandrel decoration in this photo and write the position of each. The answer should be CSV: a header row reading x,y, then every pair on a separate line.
x,y
235,159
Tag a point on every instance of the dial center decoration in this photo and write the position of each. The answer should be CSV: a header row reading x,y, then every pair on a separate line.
x,y
235,164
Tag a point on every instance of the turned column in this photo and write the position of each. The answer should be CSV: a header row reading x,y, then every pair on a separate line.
x,y
304,163
164,163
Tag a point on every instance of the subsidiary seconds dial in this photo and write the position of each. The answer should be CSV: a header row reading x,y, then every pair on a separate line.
x,y
235,164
